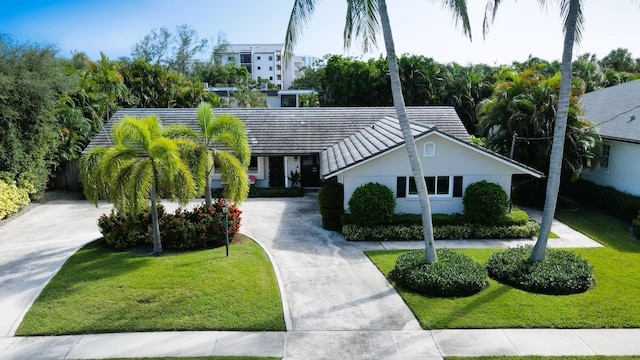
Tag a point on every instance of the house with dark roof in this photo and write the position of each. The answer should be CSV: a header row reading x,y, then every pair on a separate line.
x,y
356,146
613,110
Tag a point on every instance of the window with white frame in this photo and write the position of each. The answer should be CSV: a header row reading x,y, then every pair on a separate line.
x,y
605,153
429,149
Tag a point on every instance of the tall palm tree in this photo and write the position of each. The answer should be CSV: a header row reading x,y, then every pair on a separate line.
x,y
363,20
232,156
571,11
143,164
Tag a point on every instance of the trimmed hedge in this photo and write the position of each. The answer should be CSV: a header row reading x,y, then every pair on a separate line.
x,y
12,198
607,199
453,275
485,202
331,200
201,227
515,217
258,192
372,204
562,273
354,232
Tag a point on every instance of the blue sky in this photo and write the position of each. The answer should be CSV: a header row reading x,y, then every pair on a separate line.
x,y
420,27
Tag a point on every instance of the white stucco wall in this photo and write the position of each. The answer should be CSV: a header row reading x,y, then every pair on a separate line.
x,y
623,172
450,159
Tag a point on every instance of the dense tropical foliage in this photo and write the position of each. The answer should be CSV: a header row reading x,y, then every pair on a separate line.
x,y
50,105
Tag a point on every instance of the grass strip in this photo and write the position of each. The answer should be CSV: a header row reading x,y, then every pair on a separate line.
x,y
102,291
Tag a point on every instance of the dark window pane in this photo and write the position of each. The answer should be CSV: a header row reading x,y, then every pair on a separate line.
x,y
431,184
412,186
443,185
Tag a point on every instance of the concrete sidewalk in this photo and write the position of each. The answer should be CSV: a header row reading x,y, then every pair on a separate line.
x,y
337,305
309,345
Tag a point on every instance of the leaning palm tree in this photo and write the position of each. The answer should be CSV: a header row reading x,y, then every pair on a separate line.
x,y
363,20
223,143
143,164
571,11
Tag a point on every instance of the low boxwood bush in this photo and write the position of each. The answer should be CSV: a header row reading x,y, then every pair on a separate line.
x,y
201,227
354,232
562,273
331,200
372,204
485,202
12,198
453,275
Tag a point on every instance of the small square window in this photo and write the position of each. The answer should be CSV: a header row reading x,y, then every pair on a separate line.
x,y
259,68
258,58
270,57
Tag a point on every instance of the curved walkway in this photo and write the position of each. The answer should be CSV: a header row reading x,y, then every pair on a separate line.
x,y
337,304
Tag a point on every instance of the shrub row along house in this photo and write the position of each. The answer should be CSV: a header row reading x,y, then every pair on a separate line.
x,y
304,146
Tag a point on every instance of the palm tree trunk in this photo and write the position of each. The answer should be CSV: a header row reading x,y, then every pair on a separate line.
x,y
207,189
416,167
155,226
539,252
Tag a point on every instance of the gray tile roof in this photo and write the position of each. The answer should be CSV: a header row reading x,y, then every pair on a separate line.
x,y
298,131
385,135
373,140
610,109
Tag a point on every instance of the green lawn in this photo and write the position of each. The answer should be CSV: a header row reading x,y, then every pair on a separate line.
x,y
613,303
102,291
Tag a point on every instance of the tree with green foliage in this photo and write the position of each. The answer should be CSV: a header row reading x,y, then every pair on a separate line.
x,y
143,165
524,105
365,18
31,82
619,60
222,143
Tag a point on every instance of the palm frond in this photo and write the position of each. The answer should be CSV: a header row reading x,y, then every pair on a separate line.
x,y
235,175
459,10
564,13
362,21
300,15
93,182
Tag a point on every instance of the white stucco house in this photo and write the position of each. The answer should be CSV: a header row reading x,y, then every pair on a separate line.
x,y
355,146
613,110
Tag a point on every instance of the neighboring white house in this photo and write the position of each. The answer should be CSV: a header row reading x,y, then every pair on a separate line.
x,y
264,61
356,146
614,110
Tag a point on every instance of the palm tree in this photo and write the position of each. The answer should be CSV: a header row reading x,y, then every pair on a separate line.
x,y
571,11
143,164
363,20
232,156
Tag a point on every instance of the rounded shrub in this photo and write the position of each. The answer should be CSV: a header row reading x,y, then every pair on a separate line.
x,y
561,273
485,202
331,200
372,204
453,275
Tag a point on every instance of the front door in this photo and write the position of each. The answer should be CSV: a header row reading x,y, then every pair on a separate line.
x,y
310,174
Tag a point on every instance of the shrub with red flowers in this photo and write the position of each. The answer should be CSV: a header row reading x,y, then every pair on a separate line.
x,y
202,227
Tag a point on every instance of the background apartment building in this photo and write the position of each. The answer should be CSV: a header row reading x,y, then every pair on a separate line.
x,y
264,61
